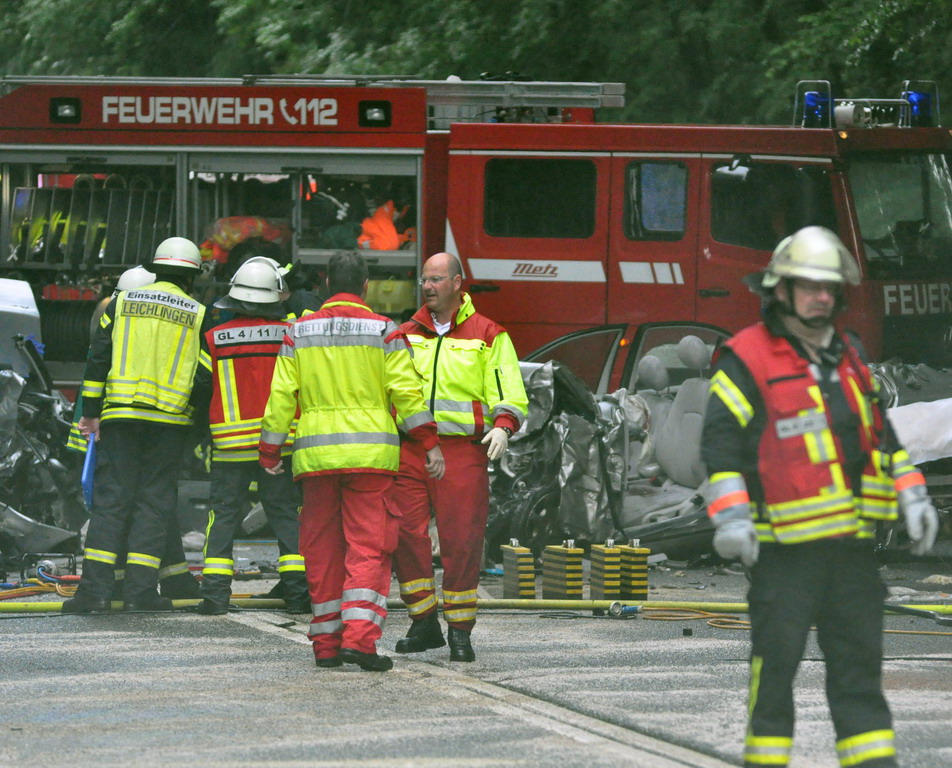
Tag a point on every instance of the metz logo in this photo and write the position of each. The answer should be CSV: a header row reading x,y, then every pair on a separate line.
x,y
526,269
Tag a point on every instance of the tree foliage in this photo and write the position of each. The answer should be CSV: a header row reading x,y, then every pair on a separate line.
x,y
734,61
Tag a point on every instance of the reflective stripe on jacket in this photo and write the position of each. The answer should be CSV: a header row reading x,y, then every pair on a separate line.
x,y
345,366
806,488
240,357
471,374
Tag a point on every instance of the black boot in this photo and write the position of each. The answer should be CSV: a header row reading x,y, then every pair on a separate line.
x,y
461,649
423,634
212,608
92,595
84,602
181,586
296,597
372,662
147,601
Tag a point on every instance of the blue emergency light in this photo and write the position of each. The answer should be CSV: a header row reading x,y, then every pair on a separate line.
x,y
816,109
920,108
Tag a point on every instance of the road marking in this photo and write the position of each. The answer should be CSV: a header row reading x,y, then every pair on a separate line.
x,y
643,751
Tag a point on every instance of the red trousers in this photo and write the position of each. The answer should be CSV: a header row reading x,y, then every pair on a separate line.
x,y
461,503
347,535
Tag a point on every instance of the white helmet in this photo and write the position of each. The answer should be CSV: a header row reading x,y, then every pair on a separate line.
x,y
282,271
178,255
811,253
137,277
257,281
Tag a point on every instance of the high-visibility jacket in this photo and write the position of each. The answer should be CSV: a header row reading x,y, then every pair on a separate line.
x,y
142,366
807,493
239,356
471,374
345,366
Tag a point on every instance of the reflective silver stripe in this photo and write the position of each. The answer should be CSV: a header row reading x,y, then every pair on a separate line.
x,y
179,351
415,609
126,333
454,428
273,438
366,595
173,570
417,420
374,342
417,585
459,614
325,627
395,345
100,556
362,614
459,406
288,563
331,606
226,380
138,558
346,438
831,503
512,411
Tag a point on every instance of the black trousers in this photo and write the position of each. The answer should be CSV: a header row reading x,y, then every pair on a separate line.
x,y
281,499
835,585
134,504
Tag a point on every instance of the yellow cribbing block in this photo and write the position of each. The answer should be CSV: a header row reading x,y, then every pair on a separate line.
x,y
562,572
605,575
634,572
518,568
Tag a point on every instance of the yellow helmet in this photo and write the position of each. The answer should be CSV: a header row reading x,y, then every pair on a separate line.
x,y
811,253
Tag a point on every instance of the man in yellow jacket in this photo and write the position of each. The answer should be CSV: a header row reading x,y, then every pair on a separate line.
x,y
346,367
475,390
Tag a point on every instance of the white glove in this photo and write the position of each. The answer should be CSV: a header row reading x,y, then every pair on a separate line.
x,y
922,523
737,540
498,441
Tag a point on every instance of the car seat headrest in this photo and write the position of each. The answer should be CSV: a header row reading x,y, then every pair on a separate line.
x,y
693,353
652,373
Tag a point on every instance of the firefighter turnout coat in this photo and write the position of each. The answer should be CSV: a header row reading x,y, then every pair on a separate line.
x,y
842,466
143,368
239,357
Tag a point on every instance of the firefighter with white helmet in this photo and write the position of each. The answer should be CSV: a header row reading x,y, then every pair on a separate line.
x,y
802,467
237,362
138,392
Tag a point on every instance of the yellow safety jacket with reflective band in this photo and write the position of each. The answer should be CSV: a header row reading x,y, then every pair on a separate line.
x,y
471,374
345,366
156,341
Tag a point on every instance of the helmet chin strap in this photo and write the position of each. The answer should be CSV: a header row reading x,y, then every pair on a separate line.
x,y
815,323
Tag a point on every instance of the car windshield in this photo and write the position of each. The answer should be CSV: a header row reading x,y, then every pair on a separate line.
x,y
904,207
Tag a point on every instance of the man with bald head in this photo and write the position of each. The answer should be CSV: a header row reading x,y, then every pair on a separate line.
x,y
475,392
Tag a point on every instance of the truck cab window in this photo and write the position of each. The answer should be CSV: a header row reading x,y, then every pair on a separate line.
x,y
655,201
540,198
756,205
904,209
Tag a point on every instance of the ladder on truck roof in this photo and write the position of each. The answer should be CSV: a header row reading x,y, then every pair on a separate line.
x,y
448,101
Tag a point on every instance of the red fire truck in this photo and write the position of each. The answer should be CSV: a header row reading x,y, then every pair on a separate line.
x,y
561,223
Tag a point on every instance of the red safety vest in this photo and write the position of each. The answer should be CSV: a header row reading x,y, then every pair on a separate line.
x,y
807,491
243,352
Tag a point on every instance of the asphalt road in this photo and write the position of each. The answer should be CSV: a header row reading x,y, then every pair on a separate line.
x,y
547,689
